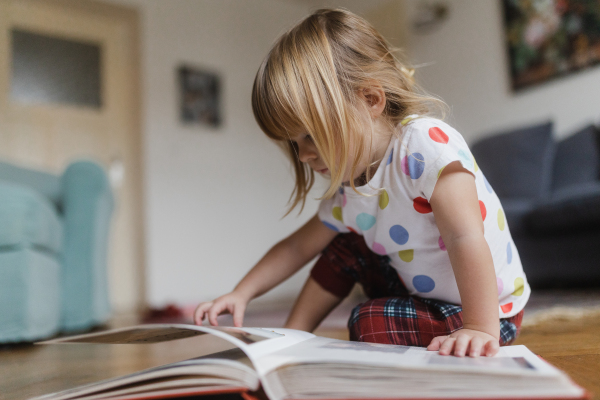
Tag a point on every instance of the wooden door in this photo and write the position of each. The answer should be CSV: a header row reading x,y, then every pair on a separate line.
x,y
48,134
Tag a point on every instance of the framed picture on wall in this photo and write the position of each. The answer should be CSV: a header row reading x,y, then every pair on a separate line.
x,y
200,97
547,39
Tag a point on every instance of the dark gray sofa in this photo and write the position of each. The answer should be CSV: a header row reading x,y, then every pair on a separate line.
x,y
550,192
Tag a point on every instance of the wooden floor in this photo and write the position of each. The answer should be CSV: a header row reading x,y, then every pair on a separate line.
x,y
27,371
571,345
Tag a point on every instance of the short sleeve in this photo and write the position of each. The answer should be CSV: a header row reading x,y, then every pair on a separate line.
x,y
427,148
330,212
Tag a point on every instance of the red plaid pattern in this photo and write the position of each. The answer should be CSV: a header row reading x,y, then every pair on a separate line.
x,y
391,316
412,321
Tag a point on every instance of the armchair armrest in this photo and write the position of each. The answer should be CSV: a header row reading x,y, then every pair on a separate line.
x,y
573,208
87,207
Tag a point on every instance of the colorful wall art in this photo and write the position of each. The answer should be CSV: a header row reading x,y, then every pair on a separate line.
x,y
547,39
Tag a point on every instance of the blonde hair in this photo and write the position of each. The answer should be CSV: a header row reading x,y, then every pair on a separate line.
x,y
309,82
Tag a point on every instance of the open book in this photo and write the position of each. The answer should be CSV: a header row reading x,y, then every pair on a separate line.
x,y
291,364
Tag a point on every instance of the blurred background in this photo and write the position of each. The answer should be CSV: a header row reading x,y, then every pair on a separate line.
x,y
157,93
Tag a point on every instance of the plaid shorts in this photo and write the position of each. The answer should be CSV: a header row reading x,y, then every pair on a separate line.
x,y
392,316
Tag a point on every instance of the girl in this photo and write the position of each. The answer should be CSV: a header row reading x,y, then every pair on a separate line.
x,y
408,214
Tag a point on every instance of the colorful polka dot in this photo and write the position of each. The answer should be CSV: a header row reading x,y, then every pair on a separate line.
x,y
438,135
423,283
483,210
406,255
440,172
501,223
341,190
466,159
500,285
384,199
487,185
365,221
508,253
413,165
441,244
399,234
337,213
421,205
379,249
519,287
389,160
330,226
475,163
406,120
506,307
351,230
404,166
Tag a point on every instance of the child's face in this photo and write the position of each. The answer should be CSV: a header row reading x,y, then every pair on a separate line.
x,y
308,154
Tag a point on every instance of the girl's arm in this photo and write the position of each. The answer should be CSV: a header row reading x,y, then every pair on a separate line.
x,y
456,210
280,262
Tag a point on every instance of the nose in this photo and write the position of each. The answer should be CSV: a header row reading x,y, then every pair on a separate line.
x,y
307,152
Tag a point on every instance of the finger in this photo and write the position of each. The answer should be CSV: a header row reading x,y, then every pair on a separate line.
x,y
461,345
230,307
200,311
198,314
214,312
436,343
238,315
491,348
447,347
476,346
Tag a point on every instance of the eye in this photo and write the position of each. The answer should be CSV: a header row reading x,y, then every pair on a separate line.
x,y
309,138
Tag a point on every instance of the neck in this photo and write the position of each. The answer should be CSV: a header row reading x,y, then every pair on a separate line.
x,y
382,135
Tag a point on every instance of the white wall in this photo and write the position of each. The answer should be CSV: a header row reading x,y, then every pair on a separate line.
x,y
470,72
214,197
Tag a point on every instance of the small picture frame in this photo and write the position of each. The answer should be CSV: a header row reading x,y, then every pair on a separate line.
x,y
200,97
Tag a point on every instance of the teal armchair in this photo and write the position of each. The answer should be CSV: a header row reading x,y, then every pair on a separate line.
x,y
53,250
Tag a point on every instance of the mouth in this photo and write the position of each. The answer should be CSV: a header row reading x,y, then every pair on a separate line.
x,y
323,171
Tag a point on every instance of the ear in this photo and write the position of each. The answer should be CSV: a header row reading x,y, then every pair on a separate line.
x,y
374,96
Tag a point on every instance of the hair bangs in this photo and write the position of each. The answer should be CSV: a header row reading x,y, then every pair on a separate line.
x,y
279,107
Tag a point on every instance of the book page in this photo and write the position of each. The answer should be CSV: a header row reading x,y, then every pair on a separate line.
x,y
322,368
518,360
255,342
156,333
226,370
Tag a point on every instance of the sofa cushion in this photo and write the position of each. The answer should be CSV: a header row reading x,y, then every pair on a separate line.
x,y
518,164
571,209
577,159
30,295
28,219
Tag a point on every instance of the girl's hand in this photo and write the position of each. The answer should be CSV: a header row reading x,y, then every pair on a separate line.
x,y
464,341
233,303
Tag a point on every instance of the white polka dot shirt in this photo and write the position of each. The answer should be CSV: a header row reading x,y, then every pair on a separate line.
x,y
396,219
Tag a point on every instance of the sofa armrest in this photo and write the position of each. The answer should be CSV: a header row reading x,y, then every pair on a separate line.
x,y
87,208
573,208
